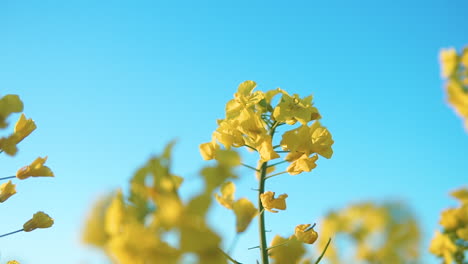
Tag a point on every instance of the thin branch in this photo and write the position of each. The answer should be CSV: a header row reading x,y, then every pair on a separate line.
x,y
250,147
229,257
6,178
323,252
276,174
277,163
11,233
250,167
282,244
250,248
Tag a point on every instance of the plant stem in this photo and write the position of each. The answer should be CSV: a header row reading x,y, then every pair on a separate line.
x,y
323,252
277,163
261,219
11,233
228,257
245,165
6,178
276,174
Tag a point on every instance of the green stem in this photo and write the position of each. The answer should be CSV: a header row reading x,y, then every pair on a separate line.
x,y
323,252
261,221
6,178
250,167
277,163
276,174
250,147
228,257
279,245
11,233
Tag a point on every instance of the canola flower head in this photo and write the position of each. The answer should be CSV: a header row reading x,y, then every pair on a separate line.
x,y
39,220
10,103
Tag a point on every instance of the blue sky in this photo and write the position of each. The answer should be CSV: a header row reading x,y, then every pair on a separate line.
x,y
109,83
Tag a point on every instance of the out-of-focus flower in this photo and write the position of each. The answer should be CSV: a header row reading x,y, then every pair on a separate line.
x,y
39,220
245,211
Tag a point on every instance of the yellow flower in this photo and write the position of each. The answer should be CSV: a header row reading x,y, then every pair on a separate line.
x,y
292,109
265,149
243,99
442,246
448,60
228,157
35,169
7,190
9,103
94,232
286,251
115,214
245,211
226,198
269,201
208,150
228,134
13,262
449,218
8,144
39,220
301,164
307,140
305,234
461,194
23,128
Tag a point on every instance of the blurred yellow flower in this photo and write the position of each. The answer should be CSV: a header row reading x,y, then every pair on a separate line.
x,y
305,234
442,246
9,103
269,201
13,262
449,218
226,198
286,251
94,232
35,169
6,191
448,61
39,220
245,211
208,150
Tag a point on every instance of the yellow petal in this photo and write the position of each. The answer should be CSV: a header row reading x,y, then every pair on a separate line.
x,y
448,60
35,169
9,103
302,164
245,211
305,234
208,150
23,128
6,191
226,198
269,201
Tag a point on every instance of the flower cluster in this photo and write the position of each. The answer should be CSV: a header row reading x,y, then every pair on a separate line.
x,y
386,232
452,243
135,228
252,120
10,104
455,69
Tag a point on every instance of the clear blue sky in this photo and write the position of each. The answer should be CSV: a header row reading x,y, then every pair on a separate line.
x,y
111,82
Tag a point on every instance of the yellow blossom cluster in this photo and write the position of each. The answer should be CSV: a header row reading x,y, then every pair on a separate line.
x,y
454,68
133,226
386,232
452,243
10,104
